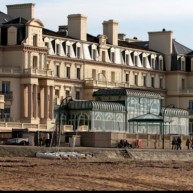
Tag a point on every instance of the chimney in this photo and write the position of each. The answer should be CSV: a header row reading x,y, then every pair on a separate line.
x,y
77,26
21,10
122,37
162,41
110,29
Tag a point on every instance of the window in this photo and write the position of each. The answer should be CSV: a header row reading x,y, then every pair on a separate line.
x,y
126,77
183,66
192,66
78,52
152,82
103,56
94,54
190,105
35,62
94,74
78,73
5,87
113,57
57,49
136,60
6,113
57,93
144,62
35,39
112,76
127,59
153,63
77,95
68,72
68,51
104,74
161,82
47,44
57,70
144,81
67,93
183,83
136,79
161,64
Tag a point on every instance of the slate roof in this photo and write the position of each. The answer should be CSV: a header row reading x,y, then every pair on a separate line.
x,y
18,20
126,92
180,49
4,18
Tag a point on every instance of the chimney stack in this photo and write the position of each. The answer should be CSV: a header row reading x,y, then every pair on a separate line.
x,y
25,11
110,29
77,26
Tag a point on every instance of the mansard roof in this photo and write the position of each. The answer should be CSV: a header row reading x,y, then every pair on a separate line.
x,y
95,105
4,18
18,20
180,49
127,92
135,45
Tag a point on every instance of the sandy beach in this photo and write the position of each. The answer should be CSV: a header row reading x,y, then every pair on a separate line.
x,y
26,173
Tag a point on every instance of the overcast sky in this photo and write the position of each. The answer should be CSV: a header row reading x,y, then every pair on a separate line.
x,y
135,17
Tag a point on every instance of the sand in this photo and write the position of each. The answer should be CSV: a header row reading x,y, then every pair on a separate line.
x,y
30,173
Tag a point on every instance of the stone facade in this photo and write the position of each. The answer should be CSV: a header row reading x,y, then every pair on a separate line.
x,y
40,67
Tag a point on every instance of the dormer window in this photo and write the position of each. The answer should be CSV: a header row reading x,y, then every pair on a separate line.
x,y
35,40
153,63
161,64
103,56
57,49
113,57
78,52
136,60
94,54
68,51
127,59
144,62
183,65
12,36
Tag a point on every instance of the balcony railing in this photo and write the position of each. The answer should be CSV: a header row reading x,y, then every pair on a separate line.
x,y
7,96
10,70
105,83
39,72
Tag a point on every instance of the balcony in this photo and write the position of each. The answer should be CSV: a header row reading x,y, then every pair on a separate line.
x,y
39,72
99,83
10,70
7,96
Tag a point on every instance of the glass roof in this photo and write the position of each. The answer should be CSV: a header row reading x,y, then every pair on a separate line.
x,y
147,118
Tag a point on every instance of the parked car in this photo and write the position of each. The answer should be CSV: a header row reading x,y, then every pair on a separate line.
x,y
18,141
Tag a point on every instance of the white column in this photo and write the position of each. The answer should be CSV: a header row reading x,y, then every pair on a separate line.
x,y
30,101
46,106
35,101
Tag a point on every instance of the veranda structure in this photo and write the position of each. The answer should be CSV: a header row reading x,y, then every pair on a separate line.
x,y
124,110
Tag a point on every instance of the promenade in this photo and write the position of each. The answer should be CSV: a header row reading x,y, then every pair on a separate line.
x,y
134,154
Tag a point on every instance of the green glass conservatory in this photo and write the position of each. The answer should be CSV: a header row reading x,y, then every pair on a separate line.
x,y
124,110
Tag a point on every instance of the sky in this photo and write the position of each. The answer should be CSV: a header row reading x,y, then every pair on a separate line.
x,y
135,17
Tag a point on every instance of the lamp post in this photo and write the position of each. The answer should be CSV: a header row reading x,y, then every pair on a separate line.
x,y
163,137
